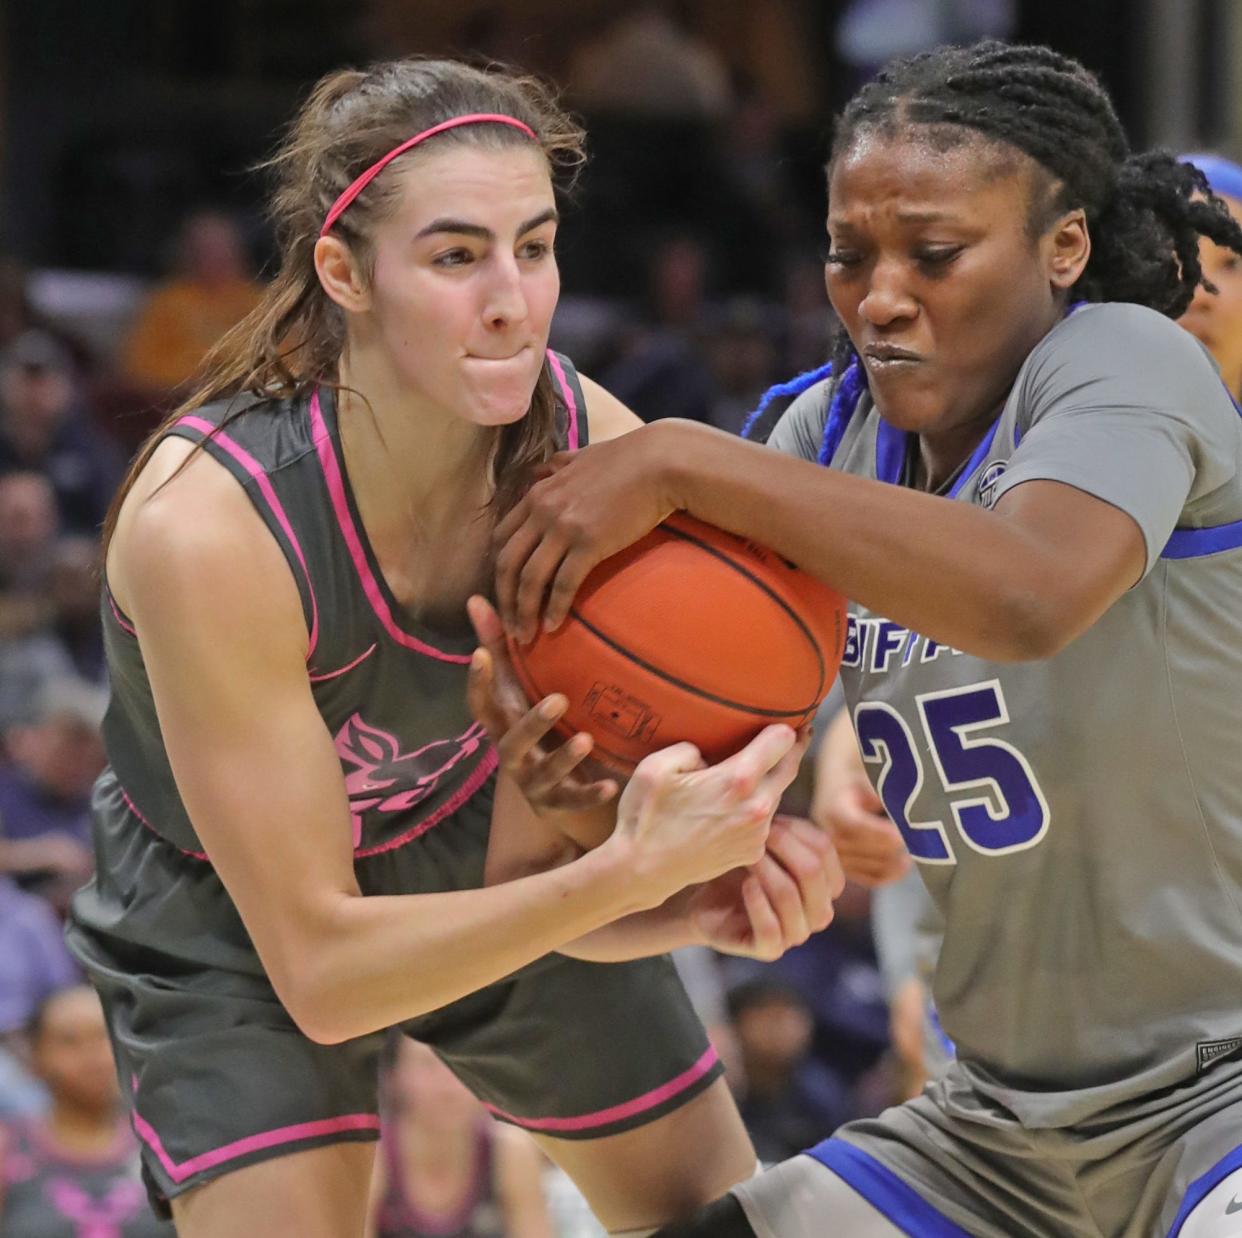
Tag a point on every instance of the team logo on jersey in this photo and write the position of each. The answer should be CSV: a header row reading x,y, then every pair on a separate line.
x,y
380,777
987,483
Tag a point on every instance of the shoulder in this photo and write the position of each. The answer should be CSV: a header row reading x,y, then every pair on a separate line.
x,y
607,417
1123,342
188,535
800,430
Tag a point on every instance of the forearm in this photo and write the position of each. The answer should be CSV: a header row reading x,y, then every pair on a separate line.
x,y
639,936
940,577
370,962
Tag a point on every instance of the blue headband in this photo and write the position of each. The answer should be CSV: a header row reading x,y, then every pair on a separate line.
x,y
1223,176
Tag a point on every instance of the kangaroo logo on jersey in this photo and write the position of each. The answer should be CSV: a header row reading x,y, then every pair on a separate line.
x,y
987,483
379,776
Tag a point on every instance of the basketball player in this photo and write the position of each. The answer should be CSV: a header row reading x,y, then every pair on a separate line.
x,y
1035,499
293,827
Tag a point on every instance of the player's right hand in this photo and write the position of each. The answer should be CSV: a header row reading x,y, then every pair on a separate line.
x,y
684,822
871,848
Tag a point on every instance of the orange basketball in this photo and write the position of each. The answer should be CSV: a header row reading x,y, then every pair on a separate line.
x,y
690,634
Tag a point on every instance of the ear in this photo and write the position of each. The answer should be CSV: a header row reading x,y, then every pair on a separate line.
x,y
1066,248
339,275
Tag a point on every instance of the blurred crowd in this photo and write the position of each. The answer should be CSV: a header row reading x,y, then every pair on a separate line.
x,y
689,289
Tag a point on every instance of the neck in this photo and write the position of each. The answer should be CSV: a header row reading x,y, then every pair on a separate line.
x,y
78,1128
411,464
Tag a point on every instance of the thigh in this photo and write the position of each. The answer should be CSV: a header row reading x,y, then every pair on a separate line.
x,y
664,1169
320,1193
1196,1190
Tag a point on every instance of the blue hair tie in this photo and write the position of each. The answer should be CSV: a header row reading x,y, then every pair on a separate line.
x,y
844,401
794,387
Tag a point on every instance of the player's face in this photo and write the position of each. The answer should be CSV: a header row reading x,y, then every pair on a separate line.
x,y
936,278
1216,319
465,279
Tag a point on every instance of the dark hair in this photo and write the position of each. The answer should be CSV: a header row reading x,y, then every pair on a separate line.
x,y
1145,212
292,340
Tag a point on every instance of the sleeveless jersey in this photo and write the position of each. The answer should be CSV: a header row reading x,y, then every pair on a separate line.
x,y
478,1215
391,691
50,1194
1078,820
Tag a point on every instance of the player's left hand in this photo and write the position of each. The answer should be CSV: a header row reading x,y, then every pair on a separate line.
x,y
550,777
587,505
762,911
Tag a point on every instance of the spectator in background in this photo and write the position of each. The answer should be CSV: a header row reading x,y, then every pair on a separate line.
x,y
1215,318
34,962
211,291
68,639
75,1172
660,371
28,524
648,63
446,1169
43,429
742,351
788,1098
54,758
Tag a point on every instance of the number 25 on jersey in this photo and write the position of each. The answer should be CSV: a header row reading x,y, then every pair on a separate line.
x,y
996,801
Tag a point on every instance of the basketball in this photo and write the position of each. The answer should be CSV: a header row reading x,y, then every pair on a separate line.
x,y
690,634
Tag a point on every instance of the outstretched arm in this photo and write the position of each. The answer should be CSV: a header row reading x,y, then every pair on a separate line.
x,y
1017,582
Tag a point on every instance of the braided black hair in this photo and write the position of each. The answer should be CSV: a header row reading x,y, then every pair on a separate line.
x,y
1145,212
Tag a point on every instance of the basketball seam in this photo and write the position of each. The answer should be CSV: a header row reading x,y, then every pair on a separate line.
x,y
739,706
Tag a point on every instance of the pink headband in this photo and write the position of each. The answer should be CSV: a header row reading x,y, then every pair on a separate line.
x,y
475,118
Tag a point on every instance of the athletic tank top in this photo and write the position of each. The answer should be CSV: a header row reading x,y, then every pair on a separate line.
x,y
51,1194
391,691
477,1216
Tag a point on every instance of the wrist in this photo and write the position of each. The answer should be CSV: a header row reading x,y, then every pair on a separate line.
x,y
676,447
611,870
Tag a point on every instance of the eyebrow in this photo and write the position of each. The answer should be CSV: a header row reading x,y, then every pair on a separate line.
x,y
461,228
905,217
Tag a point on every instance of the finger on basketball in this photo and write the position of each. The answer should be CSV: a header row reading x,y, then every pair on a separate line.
x,y
510,563
524,735
532,586
556,768
569,576
479,697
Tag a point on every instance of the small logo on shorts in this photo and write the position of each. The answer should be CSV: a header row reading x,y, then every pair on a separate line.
x,y
1235,1205
987,483
1209,1051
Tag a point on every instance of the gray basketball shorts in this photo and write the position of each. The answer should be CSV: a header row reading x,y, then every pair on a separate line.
x,y
925,1173
219,1076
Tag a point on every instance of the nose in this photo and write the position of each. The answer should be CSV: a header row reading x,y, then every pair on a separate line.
x,y
1200,304
887,299
505,299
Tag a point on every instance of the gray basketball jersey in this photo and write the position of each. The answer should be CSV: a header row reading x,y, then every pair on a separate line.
x,y
391,690
1078,820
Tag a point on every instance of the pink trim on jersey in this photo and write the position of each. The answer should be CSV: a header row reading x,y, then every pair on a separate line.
x,y
370,586
478,777
256,470
252,1143
362,657
194,855
617,1113
567,391
116,612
